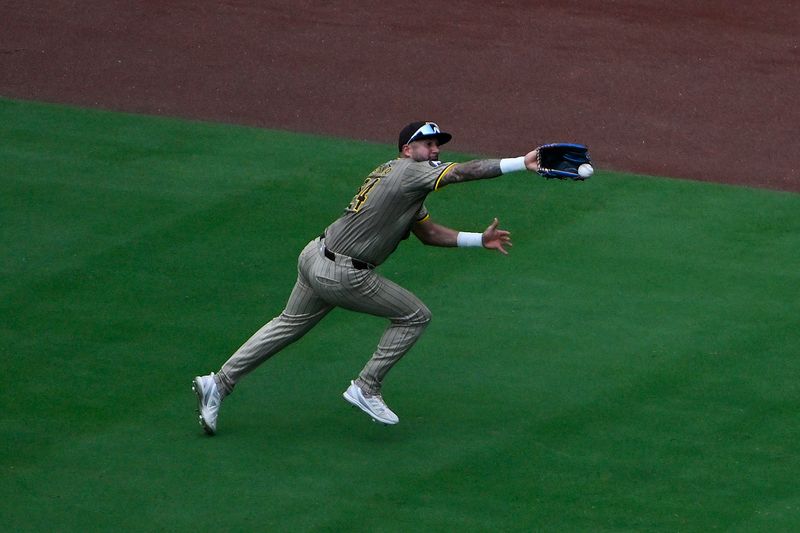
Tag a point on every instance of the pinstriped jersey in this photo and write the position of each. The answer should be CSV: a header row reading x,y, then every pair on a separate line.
x,y
384,209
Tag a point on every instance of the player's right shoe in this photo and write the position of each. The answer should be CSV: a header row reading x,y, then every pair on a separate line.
x,y
371,404
208,401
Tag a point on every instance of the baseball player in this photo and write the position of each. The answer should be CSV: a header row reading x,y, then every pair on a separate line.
x,y
338,268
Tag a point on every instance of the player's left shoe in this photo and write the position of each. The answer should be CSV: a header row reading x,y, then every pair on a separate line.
x,y
372,404
208,401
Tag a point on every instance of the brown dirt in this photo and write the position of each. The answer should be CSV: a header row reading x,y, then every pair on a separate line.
x,y
699,90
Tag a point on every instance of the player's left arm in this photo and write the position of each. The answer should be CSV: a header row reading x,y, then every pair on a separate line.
x,y
481,169
433,234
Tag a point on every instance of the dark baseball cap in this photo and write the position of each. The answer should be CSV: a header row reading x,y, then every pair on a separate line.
x,y
422,130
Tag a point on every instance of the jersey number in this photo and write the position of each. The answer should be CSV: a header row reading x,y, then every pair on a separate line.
x,y
362,194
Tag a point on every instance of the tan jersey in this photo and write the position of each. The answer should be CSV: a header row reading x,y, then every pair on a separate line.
x,y
381,214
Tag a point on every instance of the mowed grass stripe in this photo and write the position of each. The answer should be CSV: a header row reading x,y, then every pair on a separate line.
x,y
631,365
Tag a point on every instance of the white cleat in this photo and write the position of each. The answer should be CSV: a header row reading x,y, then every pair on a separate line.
x,y
373,405
208,402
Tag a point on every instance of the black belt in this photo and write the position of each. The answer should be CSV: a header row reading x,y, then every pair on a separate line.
x,y
357,263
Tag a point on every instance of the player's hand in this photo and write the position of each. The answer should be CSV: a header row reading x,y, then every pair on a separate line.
x,y
496,239
532,160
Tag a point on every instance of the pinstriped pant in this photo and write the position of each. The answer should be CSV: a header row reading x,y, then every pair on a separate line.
x,y
323,284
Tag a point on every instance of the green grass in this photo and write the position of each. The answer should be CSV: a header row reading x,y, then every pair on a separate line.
x,y
631,366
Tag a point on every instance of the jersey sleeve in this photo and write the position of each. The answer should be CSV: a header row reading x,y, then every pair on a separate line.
x,y
426,175
422,214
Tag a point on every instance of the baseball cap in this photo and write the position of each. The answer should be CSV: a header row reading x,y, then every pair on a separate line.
x,y
422,130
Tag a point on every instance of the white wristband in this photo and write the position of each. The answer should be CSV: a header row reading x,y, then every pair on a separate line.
x,y
466,239
512,164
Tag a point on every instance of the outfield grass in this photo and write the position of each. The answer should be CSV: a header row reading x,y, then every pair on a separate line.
x,y
631,366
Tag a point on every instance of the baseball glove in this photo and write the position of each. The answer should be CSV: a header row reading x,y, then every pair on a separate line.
x,y
562,160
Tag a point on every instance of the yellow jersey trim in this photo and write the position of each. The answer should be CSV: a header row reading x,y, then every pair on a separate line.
x,y
444,172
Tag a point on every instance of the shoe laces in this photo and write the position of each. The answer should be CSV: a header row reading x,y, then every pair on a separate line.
x,y
377,401
211,396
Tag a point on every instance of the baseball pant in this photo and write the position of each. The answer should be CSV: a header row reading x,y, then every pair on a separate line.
x,y
323,284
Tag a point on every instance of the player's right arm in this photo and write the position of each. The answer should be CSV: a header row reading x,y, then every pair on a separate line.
x,y
433,234
481,169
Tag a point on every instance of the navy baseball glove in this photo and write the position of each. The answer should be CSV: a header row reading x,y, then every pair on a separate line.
x,y
564,160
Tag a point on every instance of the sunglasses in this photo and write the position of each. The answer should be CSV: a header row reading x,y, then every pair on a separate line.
x,y
429,128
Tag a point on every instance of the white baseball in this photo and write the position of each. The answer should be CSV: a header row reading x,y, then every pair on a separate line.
x,y
585,170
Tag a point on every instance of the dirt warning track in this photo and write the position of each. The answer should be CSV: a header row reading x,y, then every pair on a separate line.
x,y
703,91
